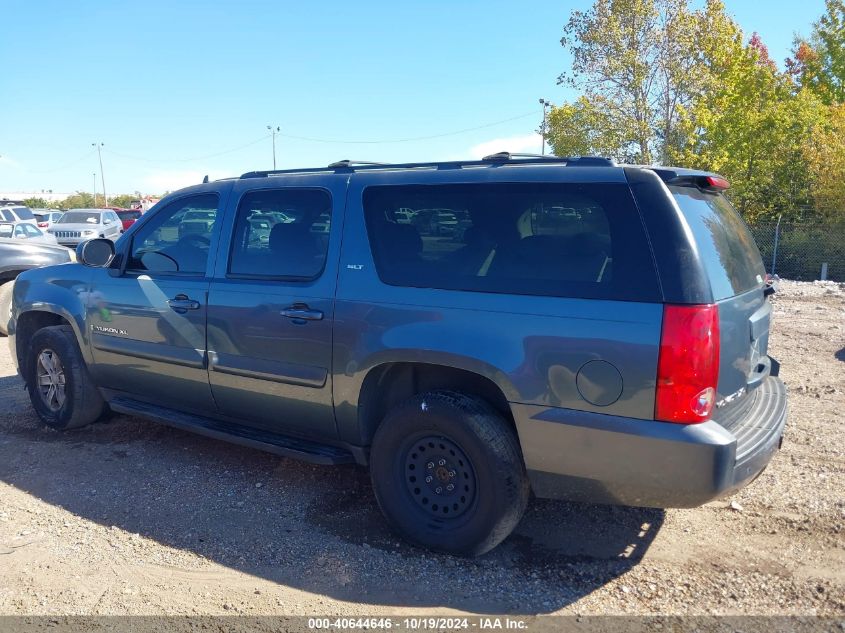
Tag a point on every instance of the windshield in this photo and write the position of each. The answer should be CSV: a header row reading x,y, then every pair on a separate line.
x,y
727,249
80,217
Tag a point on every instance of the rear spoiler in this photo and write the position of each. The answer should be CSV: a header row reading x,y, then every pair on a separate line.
x,y
691,178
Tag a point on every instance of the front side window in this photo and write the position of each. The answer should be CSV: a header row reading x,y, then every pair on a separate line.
x,y
281,233
20,232
570,240
178,238
31,231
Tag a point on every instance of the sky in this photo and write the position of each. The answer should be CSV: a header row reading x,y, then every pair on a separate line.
x,y
177,89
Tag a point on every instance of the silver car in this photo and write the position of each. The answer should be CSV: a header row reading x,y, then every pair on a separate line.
x,y
25,231
79,225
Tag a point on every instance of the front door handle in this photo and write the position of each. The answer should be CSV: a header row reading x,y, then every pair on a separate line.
x,y
181,303
300,311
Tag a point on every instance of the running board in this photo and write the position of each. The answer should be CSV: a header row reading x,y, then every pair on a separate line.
x,y
254,438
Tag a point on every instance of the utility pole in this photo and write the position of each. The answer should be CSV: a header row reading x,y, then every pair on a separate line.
x,y
273,132
102,175
546,103
95,188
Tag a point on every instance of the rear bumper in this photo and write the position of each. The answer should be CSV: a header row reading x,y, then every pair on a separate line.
x,y
608,459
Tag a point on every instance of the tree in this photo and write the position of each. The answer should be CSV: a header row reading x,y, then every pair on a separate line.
x,y
640,65
819,63
824,152
79,200
123,200
751,127
36,203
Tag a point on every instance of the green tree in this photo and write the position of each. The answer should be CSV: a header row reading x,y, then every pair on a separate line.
x,y
819,62
752,127
123,200
640,65
79,200
36,203
824,152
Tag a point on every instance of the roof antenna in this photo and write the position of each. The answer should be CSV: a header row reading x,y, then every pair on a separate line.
x,y
205,180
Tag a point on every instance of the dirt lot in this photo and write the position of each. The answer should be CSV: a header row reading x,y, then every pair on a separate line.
x,y
131,517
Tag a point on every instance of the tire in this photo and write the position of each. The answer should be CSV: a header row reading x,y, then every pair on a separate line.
x,y
6,306
82,403
456,440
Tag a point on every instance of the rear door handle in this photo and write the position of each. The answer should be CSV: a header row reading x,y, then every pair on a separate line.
x,y
181,303
302,312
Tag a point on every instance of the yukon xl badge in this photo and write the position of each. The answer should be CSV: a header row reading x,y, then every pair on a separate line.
x,y
109,330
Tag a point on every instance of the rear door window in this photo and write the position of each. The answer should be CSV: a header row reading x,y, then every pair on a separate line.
x,y
725,245
556,239
281,234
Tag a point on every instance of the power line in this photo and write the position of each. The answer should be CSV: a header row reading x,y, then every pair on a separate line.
x,y
411,139
186,160
63,167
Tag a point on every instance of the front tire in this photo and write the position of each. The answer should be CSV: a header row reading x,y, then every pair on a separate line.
x,y
448,474
60,387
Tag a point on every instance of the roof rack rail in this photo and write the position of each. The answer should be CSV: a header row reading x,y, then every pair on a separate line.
x,y
500,158
583,161
346,163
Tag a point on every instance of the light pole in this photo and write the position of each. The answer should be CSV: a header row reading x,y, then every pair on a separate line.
x,y
546,103
102,175
95,188
273,132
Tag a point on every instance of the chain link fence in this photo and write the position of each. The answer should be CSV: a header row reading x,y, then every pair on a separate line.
x,y
801,250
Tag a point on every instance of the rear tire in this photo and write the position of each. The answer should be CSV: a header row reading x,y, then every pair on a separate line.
x,y
60,387
6,306
448,474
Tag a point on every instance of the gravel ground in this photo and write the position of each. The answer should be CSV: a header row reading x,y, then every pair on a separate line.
x,y
128,517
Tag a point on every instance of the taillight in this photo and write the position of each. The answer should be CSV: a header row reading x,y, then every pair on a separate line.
x,y
688,365
43,225
717,182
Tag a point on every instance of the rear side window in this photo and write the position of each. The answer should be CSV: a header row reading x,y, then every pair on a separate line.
x,y
281,234
727,248
24,213
567,240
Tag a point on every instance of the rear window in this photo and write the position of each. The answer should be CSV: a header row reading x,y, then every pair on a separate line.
x,y
129,215
24,213
80,217
567,240
728,251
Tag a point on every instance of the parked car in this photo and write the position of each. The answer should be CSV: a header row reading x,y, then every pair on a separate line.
x,y
17,213
616,354
18,256
25,231
128,217
45,218
78,225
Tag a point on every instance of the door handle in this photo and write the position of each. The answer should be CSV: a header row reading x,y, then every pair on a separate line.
x,y
302,312
181,303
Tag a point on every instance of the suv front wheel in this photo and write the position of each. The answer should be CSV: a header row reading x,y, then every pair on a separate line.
x,y
448,473
60,387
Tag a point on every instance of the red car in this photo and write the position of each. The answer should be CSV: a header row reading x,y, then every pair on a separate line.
x,y
128,216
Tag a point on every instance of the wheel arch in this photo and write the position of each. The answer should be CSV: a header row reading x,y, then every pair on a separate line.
x,y
387,384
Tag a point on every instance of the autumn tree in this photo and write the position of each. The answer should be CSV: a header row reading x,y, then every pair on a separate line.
x,y
818,63
824,152
640,64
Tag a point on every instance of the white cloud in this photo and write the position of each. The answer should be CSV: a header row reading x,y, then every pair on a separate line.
x,y
527,143
159,181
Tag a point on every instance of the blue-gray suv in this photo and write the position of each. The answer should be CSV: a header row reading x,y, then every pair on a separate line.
x,y
575,328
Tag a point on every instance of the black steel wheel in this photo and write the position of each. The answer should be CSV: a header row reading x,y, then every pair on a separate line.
x,y
448,473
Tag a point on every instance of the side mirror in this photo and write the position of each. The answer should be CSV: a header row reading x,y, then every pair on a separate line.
x,y
96,253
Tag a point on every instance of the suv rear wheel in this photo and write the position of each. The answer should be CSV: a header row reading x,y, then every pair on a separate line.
x,y
448,473
60,387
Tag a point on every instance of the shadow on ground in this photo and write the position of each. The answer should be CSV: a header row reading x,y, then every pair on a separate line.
x,y
308,527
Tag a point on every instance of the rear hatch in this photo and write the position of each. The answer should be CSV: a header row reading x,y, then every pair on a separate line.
x,y
736,273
